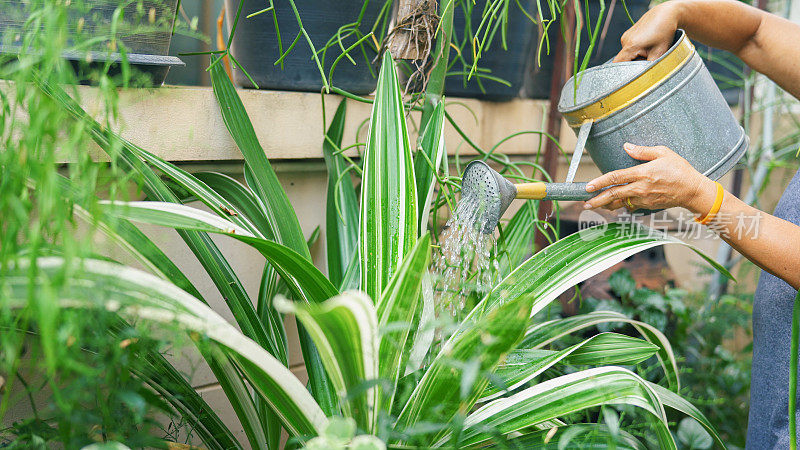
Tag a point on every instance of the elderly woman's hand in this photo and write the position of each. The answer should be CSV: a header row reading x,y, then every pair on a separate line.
x,y
652,35
665,181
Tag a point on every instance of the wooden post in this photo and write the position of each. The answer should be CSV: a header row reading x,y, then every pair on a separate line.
x,y
561,61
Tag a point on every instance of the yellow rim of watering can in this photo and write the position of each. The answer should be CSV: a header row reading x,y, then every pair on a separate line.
x,y
651,78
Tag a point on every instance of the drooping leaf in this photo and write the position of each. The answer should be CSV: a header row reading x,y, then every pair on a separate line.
x,y
261,178
539,335
566,262
345,331
576,257
564,395
576,436
678,403
201,245
388,227
145,298
305,281
341,213
397,308
243,200
523,365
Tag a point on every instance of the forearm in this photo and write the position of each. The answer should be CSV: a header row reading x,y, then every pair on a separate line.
x,y
763,41
771,243
725,24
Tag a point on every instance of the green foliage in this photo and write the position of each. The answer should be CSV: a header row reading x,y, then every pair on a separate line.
x,y
74,374
714,372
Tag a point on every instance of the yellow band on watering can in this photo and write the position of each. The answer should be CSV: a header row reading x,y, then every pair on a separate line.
x,y
651,78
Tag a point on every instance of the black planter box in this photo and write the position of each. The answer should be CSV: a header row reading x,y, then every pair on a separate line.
x,y
508,64
255,45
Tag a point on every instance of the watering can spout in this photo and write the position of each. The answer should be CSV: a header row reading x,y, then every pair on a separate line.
x,y
493,193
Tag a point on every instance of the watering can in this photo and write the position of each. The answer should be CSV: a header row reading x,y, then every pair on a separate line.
x,y
672,101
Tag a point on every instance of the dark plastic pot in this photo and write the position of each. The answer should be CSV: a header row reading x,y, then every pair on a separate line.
x,y
508,64
145,32
255,45
537,80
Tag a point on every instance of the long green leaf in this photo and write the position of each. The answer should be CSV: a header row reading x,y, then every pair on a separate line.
x,y
575,258
280,212
539,335
304,280
612,349
427,161
578,436
217,203
261,177
207,253
144,297
243,200
678,403
564,395
388,227
523,365
345,331
163,378
397,309
341,213
566,262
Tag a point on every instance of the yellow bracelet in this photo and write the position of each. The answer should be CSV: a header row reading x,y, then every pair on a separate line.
x,y
715,208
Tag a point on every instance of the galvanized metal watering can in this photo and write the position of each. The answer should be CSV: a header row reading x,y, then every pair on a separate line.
x,y
672,101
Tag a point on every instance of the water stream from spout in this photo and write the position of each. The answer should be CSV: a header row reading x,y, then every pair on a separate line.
x,y
464,265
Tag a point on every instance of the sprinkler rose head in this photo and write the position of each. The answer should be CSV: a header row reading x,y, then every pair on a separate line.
x,y
489,192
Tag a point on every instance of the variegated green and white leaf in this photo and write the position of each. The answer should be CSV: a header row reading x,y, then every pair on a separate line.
x,y
539,335
523,365
678,403
388,227
575,258
566,262
399,312
440,394
345,331
305,280
577,436
564,395
144,297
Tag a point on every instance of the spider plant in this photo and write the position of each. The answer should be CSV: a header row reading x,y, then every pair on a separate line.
x,y
494,380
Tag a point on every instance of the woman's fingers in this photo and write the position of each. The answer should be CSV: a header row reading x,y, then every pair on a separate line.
x,y
632,174
614,194
616,204
643,153
613,178
630,54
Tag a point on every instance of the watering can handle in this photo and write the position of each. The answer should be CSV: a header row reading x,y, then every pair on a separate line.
x,y
583,134
553,191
